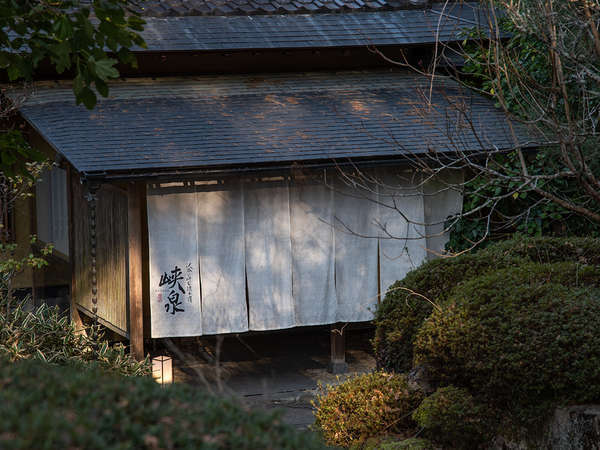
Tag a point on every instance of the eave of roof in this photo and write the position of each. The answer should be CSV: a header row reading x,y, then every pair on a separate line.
x,y
209,123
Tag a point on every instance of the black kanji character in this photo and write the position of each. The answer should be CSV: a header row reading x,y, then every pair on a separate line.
x,y
175,276
174,303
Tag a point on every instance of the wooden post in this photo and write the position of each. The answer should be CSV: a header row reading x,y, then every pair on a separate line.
x,y
74,312
337,363
35,297
134,231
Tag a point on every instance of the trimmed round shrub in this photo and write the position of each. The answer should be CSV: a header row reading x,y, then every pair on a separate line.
x,y
522,340
452,418
366,406
402,312
51,407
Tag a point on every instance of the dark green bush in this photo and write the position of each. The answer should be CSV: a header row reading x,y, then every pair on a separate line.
x,y
452,418
548,249
522,340
364,407
47,335
52,407
401,313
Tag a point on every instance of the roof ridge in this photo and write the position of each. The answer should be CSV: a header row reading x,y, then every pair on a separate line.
x,y
169,8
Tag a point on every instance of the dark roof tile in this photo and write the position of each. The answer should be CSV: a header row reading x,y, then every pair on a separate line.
x,y
224,9
311,7
289,7
267,8
247,8
200,9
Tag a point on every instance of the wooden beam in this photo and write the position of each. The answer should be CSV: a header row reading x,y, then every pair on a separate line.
x,y
135,294
90,316
337,364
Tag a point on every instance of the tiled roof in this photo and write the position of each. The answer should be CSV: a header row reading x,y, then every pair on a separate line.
x,y
309,31
208,122
166,8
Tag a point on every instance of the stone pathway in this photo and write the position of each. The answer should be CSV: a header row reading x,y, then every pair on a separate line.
x,y
275,370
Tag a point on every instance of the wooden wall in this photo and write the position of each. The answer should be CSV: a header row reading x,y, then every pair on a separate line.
x,y
111,253
24,216
57,273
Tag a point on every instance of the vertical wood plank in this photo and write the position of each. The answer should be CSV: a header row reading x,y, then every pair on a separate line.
x,y
112,245
134,231
74,312
81,251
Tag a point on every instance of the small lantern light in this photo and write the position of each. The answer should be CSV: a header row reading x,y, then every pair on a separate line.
x,y
162,369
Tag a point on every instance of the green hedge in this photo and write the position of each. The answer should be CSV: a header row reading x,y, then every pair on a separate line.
x,y
49,407
401,313
365,407
522,340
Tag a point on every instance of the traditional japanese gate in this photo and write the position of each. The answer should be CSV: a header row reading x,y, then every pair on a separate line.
x,y
216,204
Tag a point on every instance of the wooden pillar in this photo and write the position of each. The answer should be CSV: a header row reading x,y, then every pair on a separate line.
x,y
74,312
337,363
35,292
135,294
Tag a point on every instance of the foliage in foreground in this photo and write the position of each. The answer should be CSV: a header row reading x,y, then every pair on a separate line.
x,y
47,407
365,407
72,35
402,313
47,335
83,39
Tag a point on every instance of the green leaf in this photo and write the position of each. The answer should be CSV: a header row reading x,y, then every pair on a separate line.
x,y
105,69
63,27
102,88
14,72
87,97
61,56
78,84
